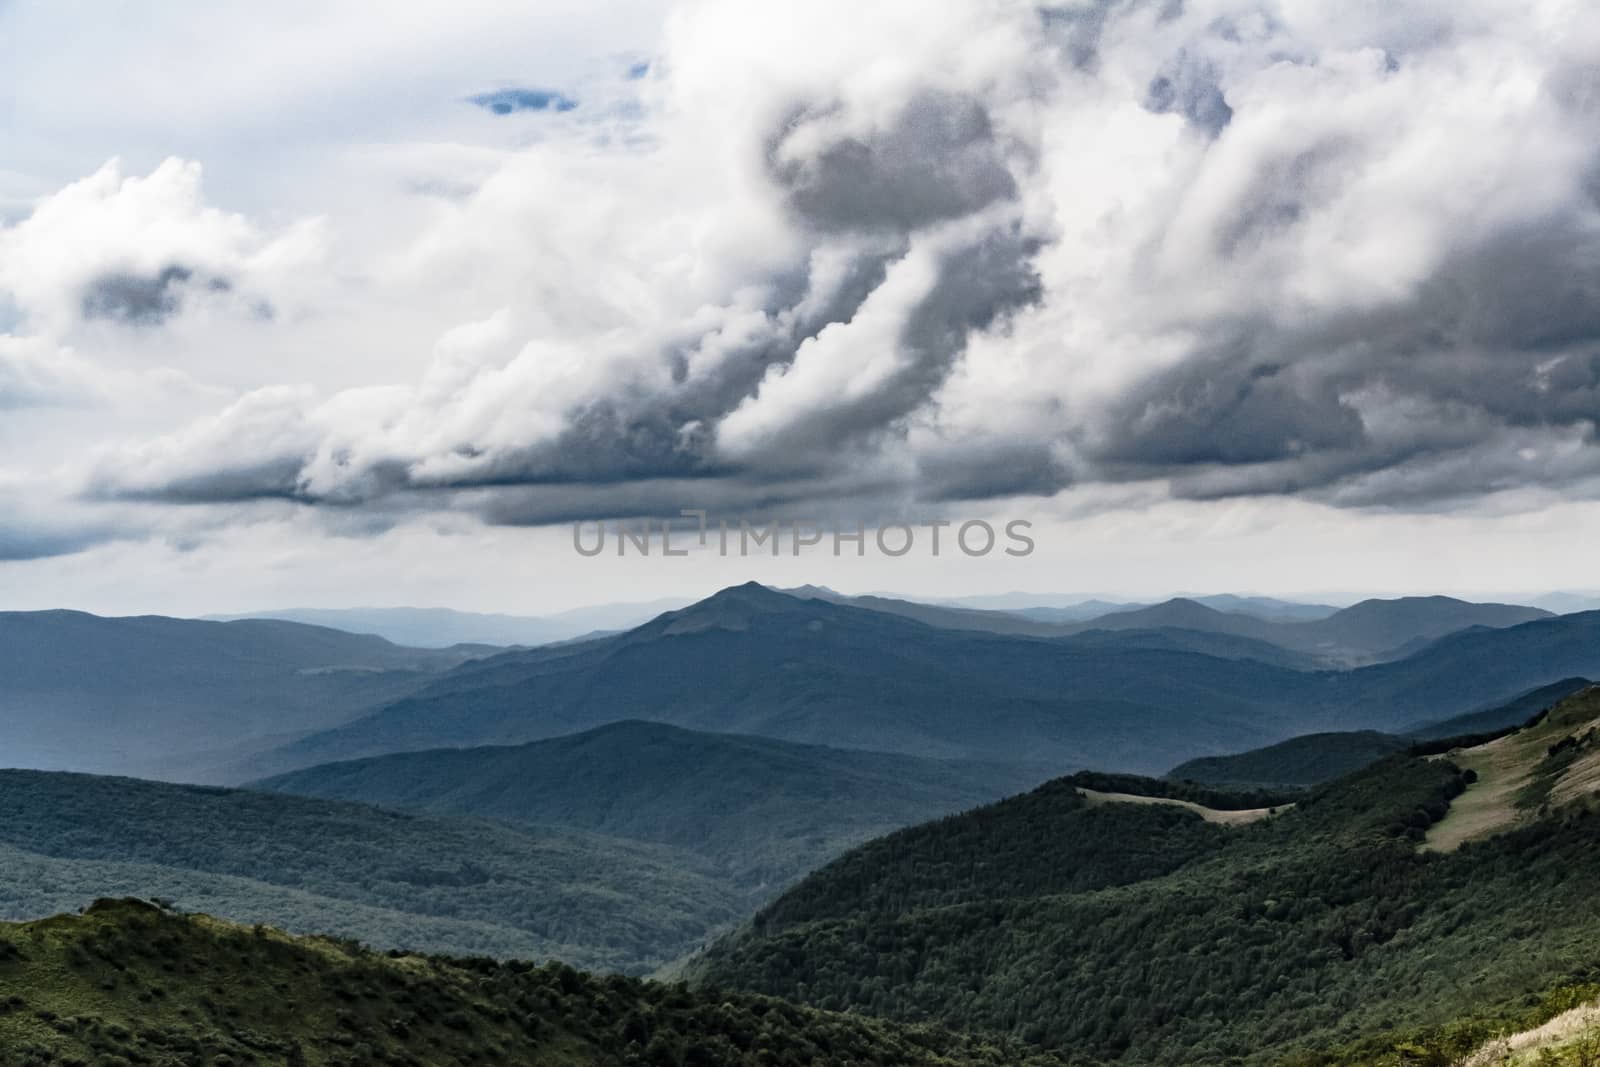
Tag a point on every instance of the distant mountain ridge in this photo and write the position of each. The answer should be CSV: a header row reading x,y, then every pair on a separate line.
x,y
161,696
750,660
1367,632
1372,630
443,627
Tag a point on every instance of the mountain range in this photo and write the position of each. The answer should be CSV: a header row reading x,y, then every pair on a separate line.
x,y
1350,880
1368,632
1141,691
751,660
443,627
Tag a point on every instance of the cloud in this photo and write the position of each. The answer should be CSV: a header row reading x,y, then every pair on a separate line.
x,y
139,250
508,101
1204,250
937,160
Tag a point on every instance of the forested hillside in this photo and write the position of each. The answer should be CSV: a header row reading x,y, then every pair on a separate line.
x,y
761,812
388,878
127,983
1324,927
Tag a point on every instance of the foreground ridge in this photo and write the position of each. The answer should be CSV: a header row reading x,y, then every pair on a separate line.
x,y
126,982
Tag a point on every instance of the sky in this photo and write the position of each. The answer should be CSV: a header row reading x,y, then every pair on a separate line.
x,y
300,306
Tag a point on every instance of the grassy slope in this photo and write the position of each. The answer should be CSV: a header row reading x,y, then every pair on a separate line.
x,y
389,878
762,811
125,983
1552,760
1324,929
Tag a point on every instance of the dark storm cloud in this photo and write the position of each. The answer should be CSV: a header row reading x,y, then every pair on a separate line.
x,y
1229,412
140,300
24,542
273,478
607,442
939,161
990,470
1488,378
508,101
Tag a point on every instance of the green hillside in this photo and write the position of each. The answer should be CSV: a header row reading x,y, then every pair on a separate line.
x,y
1053,839
1322,934
387,878
763,812
125,983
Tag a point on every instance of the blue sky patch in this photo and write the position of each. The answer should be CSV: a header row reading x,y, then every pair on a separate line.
x,y
506,101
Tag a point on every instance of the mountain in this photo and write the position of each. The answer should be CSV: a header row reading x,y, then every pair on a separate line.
x,y
1403,914
170,697
1269,609
1502,715
950,618
761,812
442,627
1059,622
126,982
753,661
1371,631
1375,627
1310,759
1206,643
1025,602
1470,670
387,878
750,660
1565,603
1266,607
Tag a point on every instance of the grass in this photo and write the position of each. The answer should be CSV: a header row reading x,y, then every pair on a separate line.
x,y
1571,1039
1518,774
1212,815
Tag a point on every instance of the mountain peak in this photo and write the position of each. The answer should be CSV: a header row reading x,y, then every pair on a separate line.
x,y
733,608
